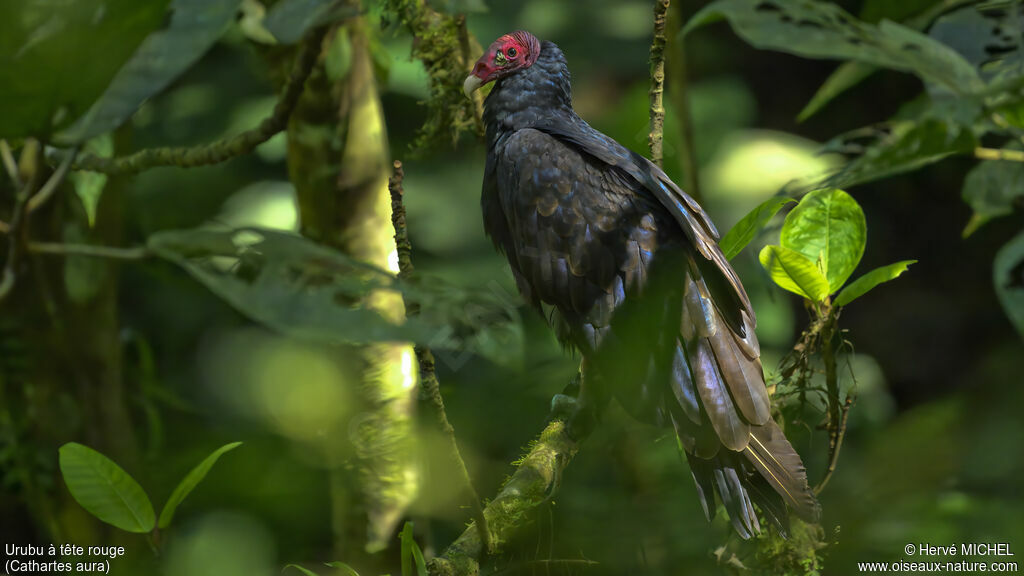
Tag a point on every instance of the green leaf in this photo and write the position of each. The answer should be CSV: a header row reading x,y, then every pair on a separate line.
x,y
1008,276
987,35
288,20
411,553
189,483
795,272
848,75
828,227
305,571
105,490
993,188
898,147
56,58
342,568
744,231
865,283
878,10
195,26
823,30
306,290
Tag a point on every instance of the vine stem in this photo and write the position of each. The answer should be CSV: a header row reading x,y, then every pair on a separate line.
x,y
657,136
837,415
225,149
428,375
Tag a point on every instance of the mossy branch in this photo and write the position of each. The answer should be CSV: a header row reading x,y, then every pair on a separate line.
x,y
428,376
536,478
225,149
446,49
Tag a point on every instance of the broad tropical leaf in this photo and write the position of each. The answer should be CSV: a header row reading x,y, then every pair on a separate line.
x,y
105,490
828,227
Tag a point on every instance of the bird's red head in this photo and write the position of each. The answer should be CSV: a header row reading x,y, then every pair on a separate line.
x,y
507,54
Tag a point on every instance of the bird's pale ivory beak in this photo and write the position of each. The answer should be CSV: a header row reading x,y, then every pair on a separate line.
x,y
472,83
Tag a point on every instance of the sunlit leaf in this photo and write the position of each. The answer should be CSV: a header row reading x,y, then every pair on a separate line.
x,y
865,283
793,271
823,30
993,188
744,231
195,26
57,58
189,482
1008,276
828,227
105,490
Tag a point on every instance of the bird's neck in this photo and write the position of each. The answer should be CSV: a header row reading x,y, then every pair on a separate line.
x,y
529,96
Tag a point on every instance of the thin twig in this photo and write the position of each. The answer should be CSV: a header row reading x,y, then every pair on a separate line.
x,y
9,164
39,198
225,149
999,154
91,250
657,136
29,168
428,376
834,453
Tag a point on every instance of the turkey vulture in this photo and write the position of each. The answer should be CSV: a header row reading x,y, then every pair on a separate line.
x,y
628,269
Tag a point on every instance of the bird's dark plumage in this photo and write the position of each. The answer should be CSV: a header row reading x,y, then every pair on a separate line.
x,y
590,229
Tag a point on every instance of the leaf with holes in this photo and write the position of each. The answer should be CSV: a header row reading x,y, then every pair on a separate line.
x,y
744,231
105,490
56,59
195,26
867,282
988,36
828,227
1008,276
794,272
814,29
189,483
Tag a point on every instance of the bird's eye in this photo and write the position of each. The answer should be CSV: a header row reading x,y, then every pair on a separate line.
x,y
512,52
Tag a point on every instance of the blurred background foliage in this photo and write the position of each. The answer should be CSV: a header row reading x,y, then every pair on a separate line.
x,y
932,449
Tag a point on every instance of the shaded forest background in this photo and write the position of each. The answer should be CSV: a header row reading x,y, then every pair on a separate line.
x,y
931,453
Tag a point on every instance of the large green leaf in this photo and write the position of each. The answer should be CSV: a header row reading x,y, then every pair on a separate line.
x,y
813,29
795,272
915,14
993,188
288,20
306,290
828,227
190,481
57,56
195,26
897,147
105,490
865,283
1008,276
987,35
744,231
